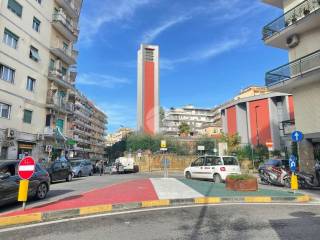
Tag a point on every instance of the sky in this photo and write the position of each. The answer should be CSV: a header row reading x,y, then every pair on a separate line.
x,y
209,51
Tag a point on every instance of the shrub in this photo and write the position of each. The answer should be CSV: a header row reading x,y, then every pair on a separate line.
x,y
241,177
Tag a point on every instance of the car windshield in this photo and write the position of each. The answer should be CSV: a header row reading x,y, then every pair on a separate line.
x,y
75,164
230,161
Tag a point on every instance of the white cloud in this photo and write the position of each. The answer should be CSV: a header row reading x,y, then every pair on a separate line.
x,y
149,36
107,11
101,80
206,53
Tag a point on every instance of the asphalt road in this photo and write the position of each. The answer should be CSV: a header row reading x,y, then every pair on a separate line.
x,y
78,186
203,222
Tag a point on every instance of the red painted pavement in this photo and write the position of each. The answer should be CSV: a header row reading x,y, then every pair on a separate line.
x,y
131,191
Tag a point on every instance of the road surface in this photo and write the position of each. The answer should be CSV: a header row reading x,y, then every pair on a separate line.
x,y
283,222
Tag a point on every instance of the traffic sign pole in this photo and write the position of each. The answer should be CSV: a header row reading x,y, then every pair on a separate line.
x,y
25,171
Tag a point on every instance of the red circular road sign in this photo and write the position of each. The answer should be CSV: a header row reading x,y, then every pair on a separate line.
x,y
26,168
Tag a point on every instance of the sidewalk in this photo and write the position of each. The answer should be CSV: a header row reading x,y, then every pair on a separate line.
x,y
145,193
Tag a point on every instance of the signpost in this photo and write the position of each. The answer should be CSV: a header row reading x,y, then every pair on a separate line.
x,y
26,169
297,136
293,168
201,149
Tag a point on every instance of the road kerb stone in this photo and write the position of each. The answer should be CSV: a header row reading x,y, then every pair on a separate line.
x,y
20,219
261,199
95,209
156,203
207,200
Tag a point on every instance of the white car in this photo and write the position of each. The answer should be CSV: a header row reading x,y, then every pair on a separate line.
x,y
216,168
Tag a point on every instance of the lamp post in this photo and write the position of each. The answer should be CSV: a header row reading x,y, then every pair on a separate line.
x,y
257,126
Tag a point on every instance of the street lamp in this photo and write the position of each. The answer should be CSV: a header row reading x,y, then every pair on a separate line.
x,y
257,126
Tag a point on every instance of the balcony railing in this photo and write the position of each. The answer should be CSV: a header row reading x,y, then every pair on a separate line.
x,y
292,16
60,17
294,69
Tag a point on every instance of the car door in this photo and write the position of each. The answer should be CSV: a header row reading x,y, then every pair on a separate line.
x,y
56,171
196,166
64,170
231,165
9,186
208,167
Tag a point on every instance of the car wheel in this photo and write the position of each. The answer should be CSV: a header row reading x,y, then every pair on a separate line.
x,y
217,178
188,175
42,191
80,174
69,178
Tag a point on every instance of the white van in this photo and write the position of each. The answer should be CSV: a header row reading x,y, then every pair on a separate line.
x,y
216,168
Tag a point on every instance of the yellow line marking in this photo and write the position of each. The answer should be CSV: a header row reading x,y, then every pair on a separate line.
x,y
205,200
258,199
156,203
304,198
95,209
27,218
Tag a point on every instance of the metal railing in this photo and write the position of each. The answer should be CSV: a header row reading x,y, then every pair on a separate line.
x,y
290,17
294,69
60,17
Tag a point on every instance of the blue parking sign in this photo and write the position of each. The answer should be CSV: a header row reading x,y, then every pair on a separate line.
x,y
293,163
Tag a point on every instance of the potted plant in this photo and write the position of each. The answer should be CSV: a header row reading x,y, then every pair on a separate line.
x,y
306,10
241,182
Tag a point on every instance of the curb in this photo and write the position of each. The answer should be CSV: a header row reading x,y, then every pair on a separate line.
x,y
83,211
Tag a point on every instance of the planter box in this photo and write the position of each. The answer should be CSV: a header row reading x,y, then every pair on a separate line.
x,y
242,185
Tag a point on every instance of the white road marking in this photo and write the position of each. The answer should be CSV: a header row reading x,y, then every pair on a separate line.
x,y
171,188
146,210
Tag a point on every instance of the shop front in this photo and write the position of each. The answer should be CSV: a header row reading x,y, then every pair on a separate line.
x,y
24,149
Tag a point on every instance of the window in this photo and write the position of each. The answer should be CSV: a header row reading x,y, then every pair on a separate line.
x,y
39,1
51,64
48,120
65,46
230,161
5,110
10,38
60,124
6,73
198,162
36,24
27,116
34,54
63,71
30,84
4,153
15,7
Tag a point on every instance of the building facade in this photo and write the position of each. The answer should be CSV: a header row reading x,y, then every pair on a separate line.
x,y
260,120
87,126
251,91
119,135
36,75
298,32
148,89
197,118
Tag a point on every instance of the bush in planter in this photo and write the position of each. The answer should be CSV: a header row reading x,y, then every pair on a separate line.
x,y
241,182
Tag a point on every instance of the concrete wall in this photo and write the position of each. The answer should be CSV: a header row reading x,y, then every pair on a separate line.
x,y
242,126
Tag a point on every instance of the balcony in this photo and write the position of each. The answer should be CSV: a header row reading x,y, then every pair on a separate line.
x,y
300,19
302,71
56,76
67,55
64,26
57,103
69,8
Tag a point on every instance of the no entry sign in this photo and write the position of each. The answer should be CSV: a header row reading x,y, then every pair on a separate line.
x,y
26,168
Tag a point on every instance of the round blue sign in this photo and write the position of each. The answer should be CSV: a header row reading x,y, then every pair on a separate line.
x,y
296,136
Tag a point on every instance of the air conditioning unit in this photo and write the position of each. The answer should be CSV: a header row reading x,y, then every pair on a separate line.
x,y
40,137
10,133
293,41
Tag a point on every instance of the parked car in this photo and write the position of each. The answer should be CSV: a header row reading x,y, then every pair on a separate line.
x,y
81,168
215,168
115,168
60,170
9,182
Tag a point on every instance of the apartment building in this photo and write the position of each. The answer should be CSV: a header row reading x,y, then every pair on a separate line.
x,y
37,59
263,119
196,118
87,126
297,30
251,91
119,135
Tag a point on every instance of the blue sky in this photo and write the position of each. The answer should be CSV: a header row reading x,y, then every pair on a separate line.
x,y
209,50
